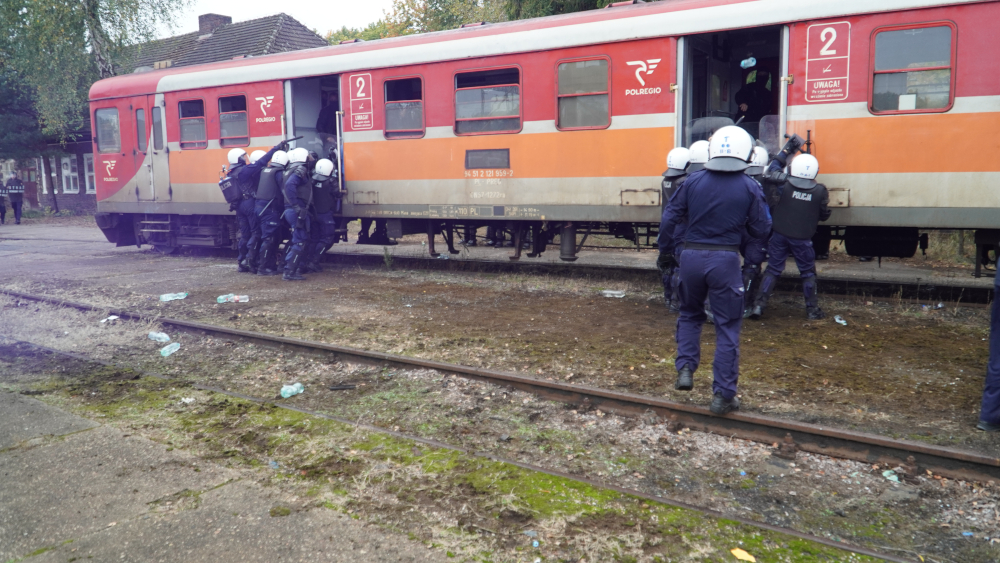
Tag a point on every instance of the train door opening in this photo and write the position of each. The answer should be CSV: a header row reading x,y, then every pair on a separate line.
x,y
311,113
731,76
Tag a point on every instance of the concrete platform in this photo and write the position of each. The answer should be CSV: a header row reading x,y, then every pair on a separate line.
x,y
57,239
99,494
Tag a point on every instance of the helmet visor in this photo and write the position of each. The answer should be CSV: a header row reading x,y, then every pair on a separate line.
x,y
726,164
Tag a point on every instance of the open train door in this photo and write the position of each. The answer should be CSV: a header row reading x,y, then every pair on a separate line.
x,y
159,171
732,76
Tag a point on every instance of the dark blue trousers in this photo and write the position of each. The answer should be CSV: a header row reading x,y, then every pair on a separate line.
x,y
247,220
805,258
269,215
990,409
16,206
300,237
716,275
321,236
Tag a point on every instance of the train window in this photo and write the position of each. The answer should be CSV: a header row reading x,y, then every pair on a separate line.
x,y
157,129
233,122
140,130
583,94
913,69
488,101
404,108
109,138
192,118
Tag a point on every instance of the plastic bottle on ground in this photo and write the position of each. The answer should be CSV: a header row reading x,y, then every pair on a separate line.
x,y
232,298
172,296
224,298
291,390
159,337
170,349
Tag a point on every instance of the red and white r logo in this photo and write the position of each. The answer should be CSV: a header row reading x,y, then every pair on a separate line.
x,y
109,166
645,67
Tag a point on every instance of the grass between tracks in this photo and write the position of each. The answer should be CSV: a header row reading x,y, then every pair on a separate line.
x,y
470,508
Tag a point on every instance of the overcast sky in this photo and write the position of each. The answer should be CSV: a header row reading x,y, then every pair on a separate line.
x,y
321,15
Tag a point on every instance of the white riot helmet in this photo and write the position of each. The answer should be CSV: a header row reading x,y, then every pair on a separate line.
x,y
803,170
730,150
758,163
236,156
698,156
324,168
255,156
279,158
677,162
298,156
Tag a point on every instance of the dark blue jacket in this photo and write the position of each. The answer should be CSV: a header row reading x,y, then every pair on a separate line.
x,y
297,188
247,176
717,206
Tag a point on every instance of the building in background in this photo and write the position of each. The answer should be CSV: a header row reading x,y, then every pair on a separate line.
x,y
70,185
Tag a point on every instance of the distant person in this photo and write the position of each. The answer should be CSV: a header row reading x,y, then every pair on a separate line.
x,y
989,412
753,101
3,208
326,123
15,191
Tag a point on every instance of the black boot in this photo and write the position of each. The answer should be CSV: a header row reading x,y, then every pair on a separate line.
x,y
292,264
722,406
809,290
685,379
767,285
243,267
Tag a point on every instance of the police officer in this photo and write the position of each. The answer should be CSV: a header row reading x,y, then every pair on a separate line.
x,y
3,208
802,204
323,229
753,250
677,162
989,412
268,206
15,191
718,203
253,245
247,176
298,192
697,158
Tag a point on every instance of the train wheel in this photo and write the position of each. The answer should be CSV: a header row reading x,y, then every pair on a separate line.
x,y
164,249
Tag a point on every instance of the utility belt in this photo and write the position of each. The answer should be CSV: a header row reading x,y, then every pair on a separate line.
x,y
720,247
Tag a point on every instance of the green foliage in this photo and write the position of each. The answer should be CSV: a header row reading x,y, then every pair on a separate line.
x,y
58,48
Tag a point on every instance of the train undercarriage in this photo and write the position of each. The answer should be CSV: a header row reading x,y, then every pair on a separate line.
x,y
167,233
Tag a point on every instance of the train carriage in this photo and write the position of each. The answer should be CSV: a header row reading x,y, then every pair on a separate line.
x,y
565,121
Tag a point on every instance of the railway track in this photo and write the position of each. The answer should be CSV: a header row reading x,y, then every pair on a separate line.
x,y
835,442
529,466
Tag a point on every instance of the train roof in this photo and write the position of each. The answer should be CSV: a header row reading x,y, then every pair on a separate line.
x,y
622,23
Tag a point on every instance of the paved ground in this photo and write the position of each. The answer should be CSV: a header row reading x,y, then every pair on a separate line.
x,y
80,241
75,489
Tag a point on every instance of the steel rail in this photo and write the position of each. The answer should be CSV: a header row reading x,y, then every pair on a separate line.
x,y
529,466
824,440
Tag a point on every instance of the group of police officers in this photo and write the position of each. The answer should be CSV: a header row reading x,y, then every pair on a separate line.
x,y
724,201
293,187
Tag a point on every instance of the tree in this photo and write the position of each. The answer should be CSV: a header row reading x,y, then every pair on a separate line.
x,y
59,48
407,17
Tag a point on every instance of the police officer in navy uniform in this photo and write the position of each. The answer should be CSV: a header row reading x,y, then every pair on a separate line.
x,y
247,176
802,204
753,250
269,204
697,158
3,208
323,229
298,197
718,203
15,192
677,163
989,411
